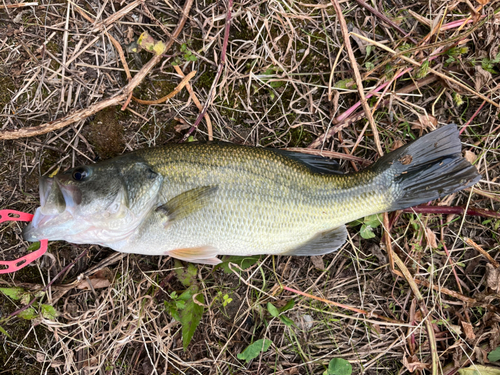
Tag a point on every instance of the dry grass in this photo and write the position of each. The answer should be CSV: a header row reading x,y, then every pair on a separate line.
x,y
286,81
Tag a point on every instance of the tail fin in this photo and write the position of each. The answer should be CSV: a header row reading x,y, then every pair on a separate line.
x,y
428,168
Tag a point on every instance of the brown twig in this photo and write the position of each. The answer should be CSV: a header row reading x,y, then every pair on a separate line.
x,y
440,289
447,210
430,70
178,88
339,125
197,103
357,76
329,154
219,72
121,54
116,16
483,252
350,308
385,19
19,5
115,100
425,312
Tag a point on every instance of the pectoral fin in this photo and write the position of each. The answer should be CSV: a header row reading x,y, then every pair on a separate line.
x,y
322,243
186,203
203,254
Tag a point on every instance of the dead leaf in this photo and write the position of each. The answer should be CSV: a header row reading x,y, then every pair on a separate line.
x,y
468,330
179,128
130,35
413,364
470,156
425,122
397,144
446,201
493,277
318,263
360,42
483,2
96,283
431,238
481,78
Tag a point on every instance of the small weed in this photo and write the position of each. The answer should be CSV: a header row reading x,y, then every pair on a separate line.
x,y
368,223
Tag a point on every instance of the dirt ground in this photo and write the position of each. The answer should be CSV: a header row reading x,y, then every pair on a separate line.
x,y
412,296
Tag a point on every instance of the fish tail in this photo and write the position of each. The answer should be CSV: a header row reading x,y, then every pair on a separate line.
x,y
427,169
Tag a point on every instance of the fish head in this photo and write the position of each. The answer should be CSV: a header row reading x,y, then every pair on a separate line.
x,y
95,204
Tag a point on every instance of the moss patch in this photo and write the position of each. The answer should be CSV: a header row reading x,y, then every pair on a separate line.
x,y
106,133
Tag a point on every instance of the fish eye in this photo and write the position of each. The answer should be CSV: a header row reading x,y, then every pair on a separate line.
x,y
80,174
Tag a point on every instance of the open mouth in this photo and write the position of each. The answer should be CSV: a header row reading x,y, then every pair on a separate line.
x,y
57,203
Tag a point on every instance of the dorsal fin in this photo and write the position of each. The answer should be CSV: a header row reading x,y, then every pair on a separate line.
x,y
315,163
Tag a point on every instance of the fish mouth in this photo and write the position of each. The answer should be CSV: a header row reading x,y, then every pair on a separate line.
x,y
58,201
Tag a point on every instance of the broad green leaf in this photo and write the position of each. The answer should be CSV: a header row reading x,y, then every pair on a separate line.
x,y
366,231
14,293
290,304
49,312
373,220
28,314
4,332
254,350
494,355
479,370
338,366
186,274
273,310
190,315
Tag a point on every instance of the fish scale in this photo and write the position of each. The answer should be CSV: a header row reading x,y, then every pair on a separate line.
x,y
195,201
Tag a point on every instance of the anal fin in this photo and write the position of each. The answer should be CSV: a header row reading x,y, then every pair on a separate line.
x,y
322,243
202,254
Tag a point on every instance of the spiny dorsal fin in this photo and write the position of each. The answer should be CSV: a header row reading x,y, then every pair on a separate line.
x,y
186,203
315,163
322,243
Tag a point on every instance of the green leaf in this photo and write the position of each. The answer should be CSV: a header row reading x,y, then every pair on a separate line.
x,y
254,350
287,321
190,315
290,304
373,220
273,310
345,84
33,246
14,293
366,231
186,274
338,366
479,370
49,312
28,314
494,355
4,332
242,262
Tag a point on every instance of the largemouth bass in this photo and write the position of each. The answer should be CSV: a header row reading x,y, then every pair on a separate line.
x,y
196,201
